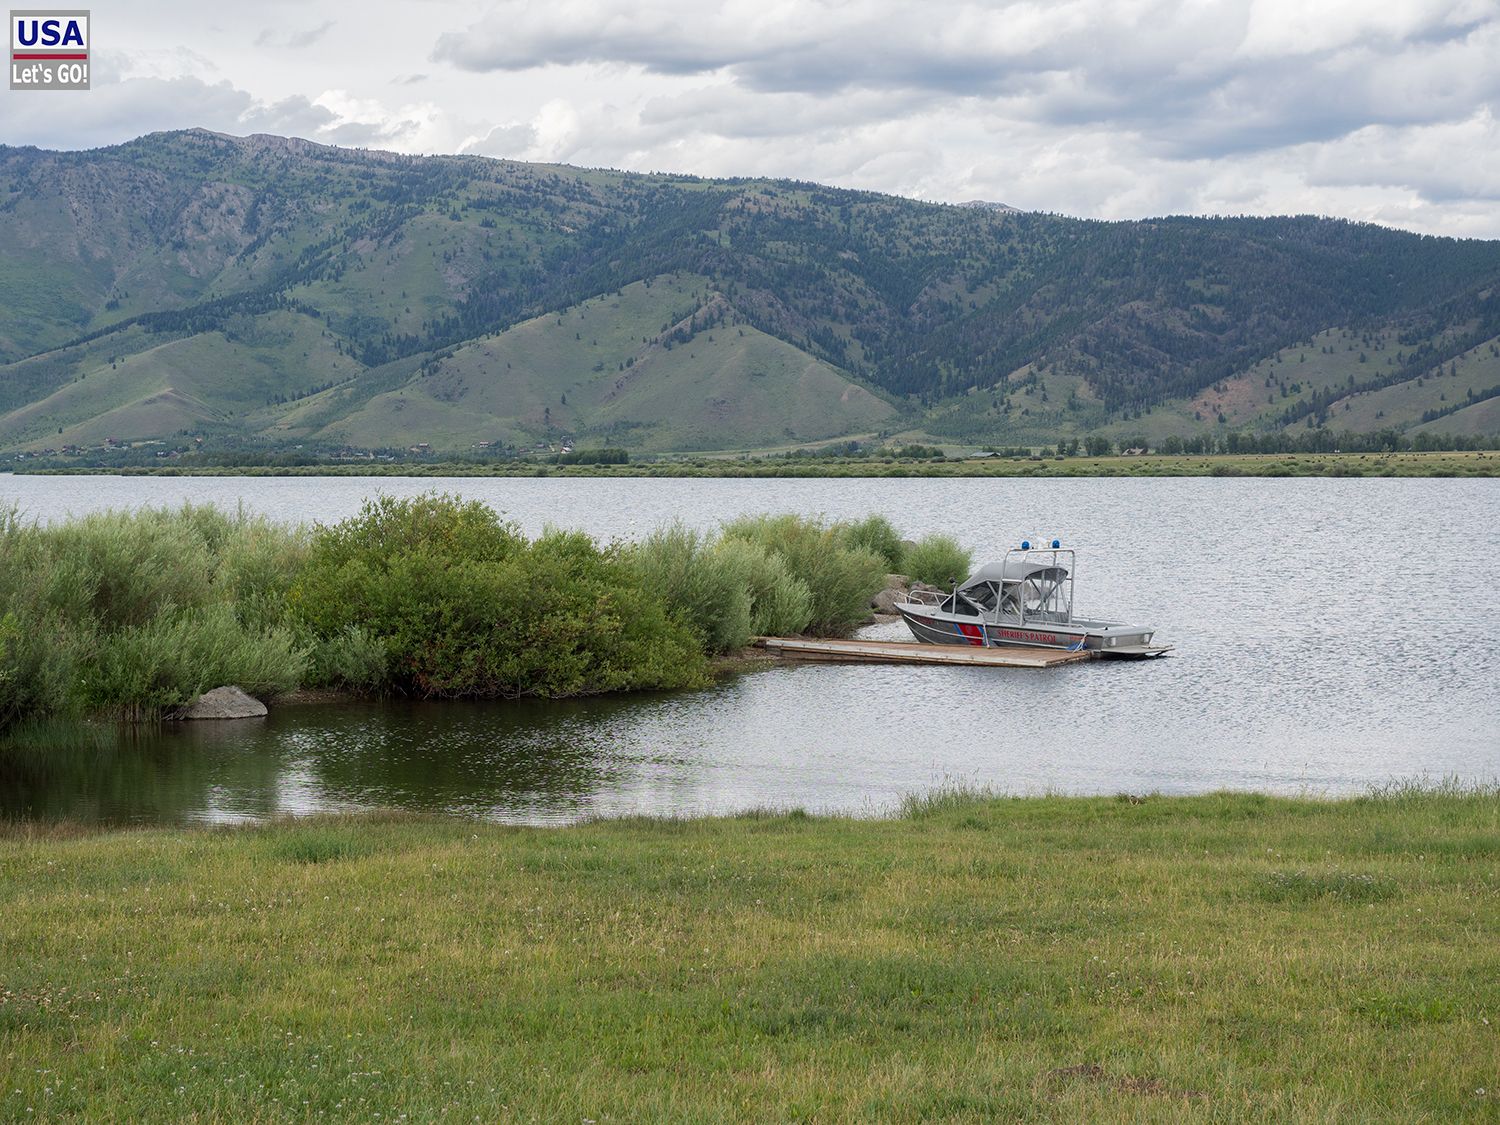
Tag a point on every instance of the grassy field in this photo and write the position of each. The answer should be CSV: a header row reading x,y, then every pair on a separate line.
x,y
1224,957
1441,464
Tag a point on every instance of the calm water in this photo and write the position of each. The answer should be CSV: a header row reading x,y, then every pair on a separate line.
x,y
1331,635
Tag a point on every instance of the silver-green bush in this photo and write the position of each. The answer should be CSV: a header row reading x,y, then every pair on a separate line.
x,y
938,560
780,602
704,587
841,579
876,535
134,613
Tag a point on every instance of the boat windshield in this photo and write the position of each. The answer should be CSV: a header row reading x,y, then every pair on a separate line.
x,y
983,594
959,603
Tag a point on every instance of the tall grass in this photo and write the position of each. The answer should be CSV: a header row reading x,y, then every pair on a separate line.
x,y
938,560
840,578
134,613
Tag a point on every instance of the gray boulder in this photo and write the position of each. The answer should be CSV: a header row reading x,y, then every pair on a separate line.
x,y
895,591
224,703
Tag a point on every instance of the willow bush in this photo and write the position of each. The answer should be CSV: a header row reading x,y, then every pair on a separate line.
x,y
780,602
840,578
876,535
459,604
136,613
938,560
705,587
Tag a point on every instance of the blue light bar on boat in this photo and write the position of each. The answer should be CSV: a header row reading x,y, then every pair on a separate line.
x,y
1025,544
1056,543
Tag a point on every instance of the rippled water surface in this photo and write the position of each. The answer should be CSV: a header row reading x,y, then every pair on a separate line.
x,y
1331,634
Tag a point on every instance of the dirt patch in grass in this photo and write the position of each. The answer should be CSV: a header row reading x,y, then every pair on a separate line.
x,y
1124,1084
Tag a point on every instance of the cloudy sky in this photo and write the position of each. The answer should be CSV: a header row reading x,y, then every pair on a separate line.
x,y
1383,110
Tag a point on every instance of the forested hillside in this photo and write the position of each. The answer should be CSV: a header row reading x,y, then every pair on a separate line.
x,y
272,292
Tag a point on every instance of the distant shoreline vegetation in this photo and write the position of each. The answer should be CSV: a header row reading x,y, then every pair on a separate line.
x,y
1317,452
131,615
1474,462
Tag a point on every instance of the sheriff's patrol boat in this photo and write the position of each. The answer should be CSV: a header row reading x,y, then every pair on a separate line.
x,y
1024,599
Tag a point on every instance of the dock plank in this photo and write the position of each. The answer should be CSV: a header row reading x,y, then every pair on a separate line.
x,y
911,652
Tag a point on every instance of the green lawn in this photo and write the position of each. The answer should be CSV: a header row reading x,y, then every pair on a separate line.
x,y
1225,957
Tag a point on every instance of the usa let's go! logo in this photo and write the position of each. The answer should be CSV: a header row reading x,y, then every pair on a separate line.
x,y
49,50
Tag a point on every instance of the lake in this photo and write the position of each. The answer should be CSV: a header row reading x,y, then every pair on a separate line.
x,y
1331,635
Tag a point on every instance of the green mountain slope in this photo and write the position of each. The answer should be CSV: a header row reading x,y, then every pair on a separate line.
x,y
664,365
218,380
278,292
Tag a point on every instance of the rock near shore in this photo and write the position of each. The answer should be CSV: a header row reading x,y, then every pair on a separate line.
x,y
227,702
898,588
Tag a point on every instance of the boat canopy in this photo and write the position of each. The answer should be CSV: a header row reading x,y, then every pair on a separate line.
x,y
1017,570
1021,586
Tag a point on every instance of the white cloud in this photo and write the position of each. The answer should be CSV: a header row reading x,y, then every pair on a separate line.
x,y
295,40
1110,108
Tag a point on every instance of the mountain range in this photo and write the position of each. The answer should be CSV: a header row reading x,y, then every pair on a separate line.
x,y
271,293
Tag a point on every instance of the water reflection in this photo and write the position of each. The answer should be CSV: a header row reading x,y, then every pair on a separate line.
x,y
517,761
99,772
1315,652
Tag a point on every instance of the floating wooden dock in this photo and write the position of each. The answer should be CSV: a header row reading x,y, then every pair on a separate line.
x,y
909,652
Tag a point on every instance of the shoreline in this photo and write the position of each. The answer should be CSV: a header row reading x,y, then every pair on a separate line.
x,y
720,667
942,800
1469,463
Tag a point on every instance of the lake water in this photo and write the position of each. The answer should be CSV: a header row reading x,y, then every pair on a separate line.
x,y
1331,635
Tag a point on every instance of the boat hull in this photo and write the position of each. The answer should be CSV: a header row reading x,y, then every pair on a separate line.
x,y
932,626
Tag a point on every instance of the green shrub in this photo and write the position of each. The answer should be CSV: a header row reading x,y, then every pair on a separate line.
x,y
876,535
349,659
462,605
938,560
122,568
136,612
780,602
257,566
37,670
147,669
840,579
705,587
